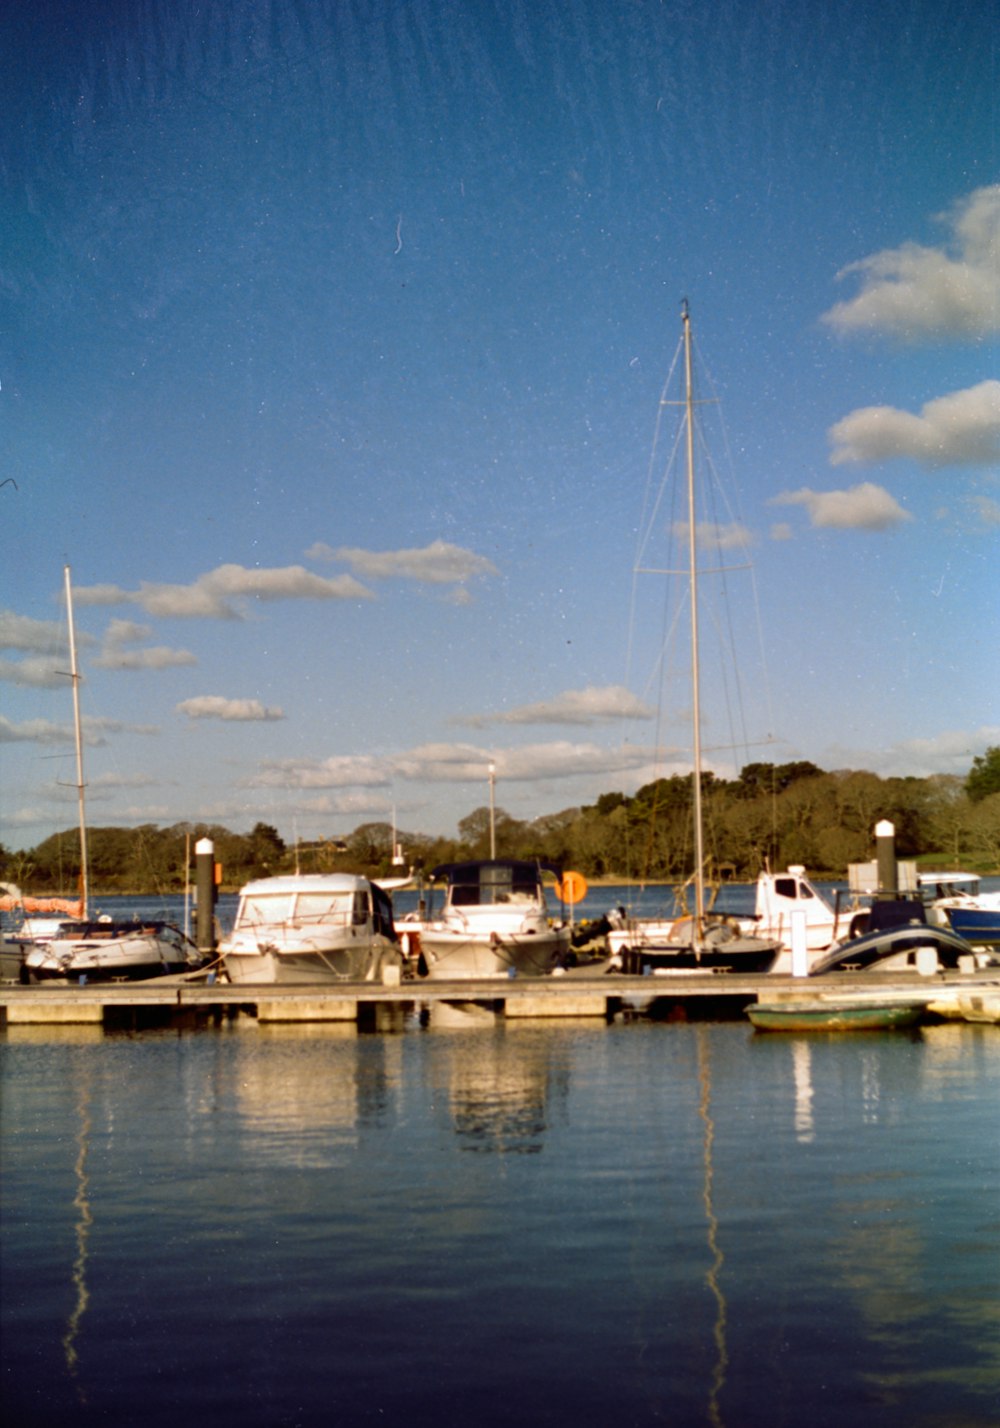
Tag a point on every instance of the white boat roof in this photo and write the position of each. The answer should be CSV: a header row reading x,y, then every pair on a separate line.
x,y
305,883
944,878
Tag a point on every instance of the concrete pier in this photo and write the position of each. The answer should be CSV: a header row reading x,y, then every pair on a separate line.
x,y
174,1001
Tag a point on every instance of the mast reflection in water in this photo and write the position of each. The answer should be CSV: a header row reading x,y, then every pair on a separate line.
x,y
658,1223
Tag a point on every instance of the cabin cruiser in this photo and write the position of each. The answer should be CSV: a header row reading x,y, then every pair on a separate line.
x,y
780,899
494,923
311,927
104,949
954,900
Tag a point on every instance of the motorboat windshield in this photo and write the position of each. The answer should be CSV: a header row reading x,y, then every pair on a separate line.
x,y
277,910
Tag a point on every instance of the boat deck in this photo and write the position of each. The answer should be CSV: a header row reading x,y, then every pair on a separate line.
x,y
176,1001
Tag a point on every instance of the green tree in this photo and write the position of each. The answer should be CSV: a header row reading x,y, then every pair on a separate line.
x,y
984,776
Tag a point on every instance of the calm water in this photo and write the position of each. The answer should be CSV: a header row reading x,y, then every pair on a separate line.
x,y
489,1224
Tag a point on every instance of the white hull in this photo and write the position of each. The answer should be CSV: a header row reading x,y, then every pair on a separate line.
x,y
451,954
310,928
127,956
361,961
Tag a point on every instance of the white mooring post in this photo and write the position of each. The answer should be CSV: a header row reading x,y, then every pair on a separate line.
x,y
800,951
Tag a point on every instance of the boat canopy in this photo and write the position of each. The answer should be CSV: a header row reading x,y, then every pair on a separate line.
x,y
492,880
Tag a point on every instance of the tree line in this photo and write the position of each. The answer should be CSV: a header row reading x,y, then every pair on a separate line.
x,y
774,814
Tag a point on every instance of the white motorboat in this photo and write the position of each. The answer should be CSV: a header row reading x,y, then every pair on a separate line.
x,y
495,922
311,927
106,950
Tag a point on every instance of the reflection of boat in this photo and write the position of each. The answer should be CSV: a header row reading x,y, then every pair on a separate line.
x,y
312,927
954,900
703,940
494,922
835,1014
898,939
100,949
983,1006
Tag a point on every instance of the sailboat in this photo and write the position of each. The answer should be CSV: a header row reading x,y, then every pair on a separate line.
x,y
98,948
700,940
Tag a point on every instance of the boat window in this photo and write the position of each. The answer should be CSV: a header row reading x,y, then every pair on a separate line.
x,y
785,887
270,910
360,909
323,907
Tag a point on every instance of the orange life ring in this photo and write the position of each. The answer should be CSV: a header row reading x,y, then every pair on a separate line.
x,y
573,888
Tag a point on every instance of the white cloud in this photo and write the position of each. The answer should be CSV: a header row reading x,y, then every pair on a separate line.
x,y
916,292
339,771
114,655
214,706
37,671
574,706
864,507
465,763
43,731
20,632
959,429
950,752
436,564
156,657
34,731
210,596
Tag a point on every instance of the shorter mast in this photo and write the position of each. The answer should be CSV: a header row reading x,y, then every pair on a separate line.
x,y
78,731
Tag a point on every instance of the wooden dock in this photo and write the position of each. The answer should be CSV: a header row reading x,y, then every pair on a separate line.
x,y
175,1001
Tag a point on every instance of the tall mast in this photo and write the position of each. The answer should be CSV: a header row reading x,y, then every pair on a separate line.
x,y
78,731
699,850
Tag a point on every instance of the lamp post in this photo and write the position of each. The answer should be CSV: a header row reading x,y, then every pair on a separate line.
x,y
493,820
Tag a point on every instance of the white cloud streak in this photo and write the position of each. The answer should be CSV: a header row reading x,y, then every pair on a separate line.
x,y
914,292
215,706
211,596
36,672
959,429
339,771
865,507
575,706
436,564
21,632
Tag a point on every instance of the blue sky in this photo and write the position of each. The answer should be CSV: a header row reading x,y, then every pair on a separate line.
x,y
332,338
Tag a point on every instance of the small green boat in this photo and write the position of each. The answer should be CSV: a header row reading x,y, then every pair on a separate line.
x,y
834,1014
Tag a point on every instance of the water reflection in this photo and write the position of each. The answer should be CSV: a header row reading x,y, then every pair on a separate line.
x,y
497,1082
297,1099
805,1127
713,1276
82,1227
